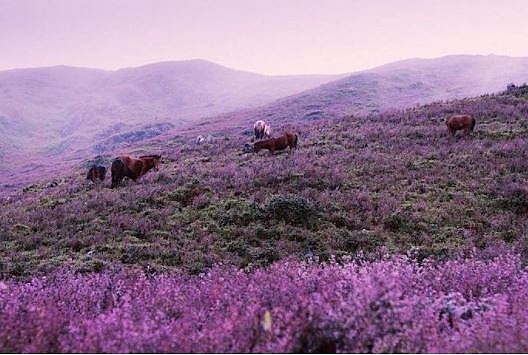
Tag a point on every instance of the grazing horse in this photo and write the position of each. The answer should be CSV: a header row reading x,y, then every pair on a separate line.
x,y
96,172
288,139
458,122
262,130
132,168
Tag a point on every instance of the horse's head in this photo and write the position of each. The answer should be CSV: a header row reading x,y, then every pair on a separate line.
x,y
96,172
150,162
259,124
264,144
91,174
101,172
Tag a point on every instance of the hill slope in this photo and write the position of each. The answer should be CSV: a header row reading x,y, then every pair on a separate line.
x,y
391,182
56,118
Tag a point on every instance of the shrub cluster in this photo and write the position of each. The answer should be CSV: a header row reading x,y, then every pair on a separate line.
x,y
518,91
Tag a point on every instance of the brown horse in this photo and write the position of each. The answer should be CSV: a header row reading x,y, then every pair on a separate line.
x,y
96,172
132,168
288,139
262,130
458,122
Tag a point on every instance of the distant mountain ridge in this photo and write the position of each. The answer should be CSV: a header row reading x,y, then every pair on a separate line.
x,y
64,114
401,84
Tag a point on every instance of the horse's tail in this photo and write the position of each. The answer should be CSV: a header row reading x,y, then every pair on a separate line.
x,y
473,123
295,140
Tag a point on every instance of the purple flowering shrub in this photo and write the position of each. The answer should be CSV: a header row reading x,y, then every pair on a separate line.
x,y
396,304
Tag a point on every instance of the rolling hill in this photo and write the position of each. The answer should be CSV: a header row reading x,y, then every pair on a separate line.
x,y
70,113
52,119
380,233
399,85
355,184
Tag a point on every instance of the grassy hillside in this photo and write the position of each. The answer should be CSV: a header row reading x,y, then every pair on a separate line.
x,y
373,184
371,196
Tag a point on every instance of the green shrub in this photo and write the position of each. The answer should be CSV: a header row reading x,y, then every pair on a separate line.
x,y
293,210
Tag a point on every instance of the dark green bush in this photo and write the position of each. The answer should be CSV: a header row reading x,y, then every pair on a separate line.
x,y
293,210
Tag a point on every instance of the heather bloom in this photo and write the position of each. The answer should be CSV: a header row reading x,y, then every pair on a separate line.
x,y
355,184
395,304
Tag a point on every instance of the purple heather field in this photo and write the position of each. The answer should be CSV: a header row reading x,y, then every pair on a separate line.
x,y
379,233
391,305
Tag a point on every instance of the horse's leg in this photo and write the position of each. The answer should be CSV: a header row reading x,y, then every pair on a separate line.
x,y
451,135
116,180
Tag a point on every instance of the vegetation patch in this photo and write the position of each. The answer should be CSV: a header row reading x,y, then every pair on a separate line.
x,y
386,182
293,210
514,197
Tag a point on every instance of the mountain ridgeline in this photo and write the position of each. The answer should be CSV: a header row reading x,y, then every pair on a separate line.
x,y
400,85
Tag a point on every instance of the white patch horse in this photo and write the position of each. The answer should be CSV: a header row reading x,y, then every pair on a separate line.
x,y
262,130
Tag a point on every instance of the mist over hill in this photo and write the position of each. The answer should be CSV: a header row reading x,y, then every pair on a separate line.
x,y
400,85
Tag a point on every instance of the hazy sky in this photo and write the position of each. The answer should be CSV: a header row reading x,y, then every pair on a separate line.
x,y
263,36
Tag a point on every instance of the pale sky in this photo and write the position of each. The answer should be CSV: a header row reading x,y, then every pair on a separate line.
x,y
262,36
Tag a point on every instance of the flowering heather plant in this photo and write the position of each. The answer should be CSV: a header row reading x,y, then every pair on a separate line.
x,y
396,304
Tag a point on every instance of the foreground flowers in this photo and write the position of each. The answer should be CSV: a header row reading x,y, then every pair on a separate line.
x,y
393,305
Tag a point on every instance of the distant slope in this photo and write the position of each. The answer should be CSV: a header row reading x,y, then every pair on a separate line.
x,y
400,85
